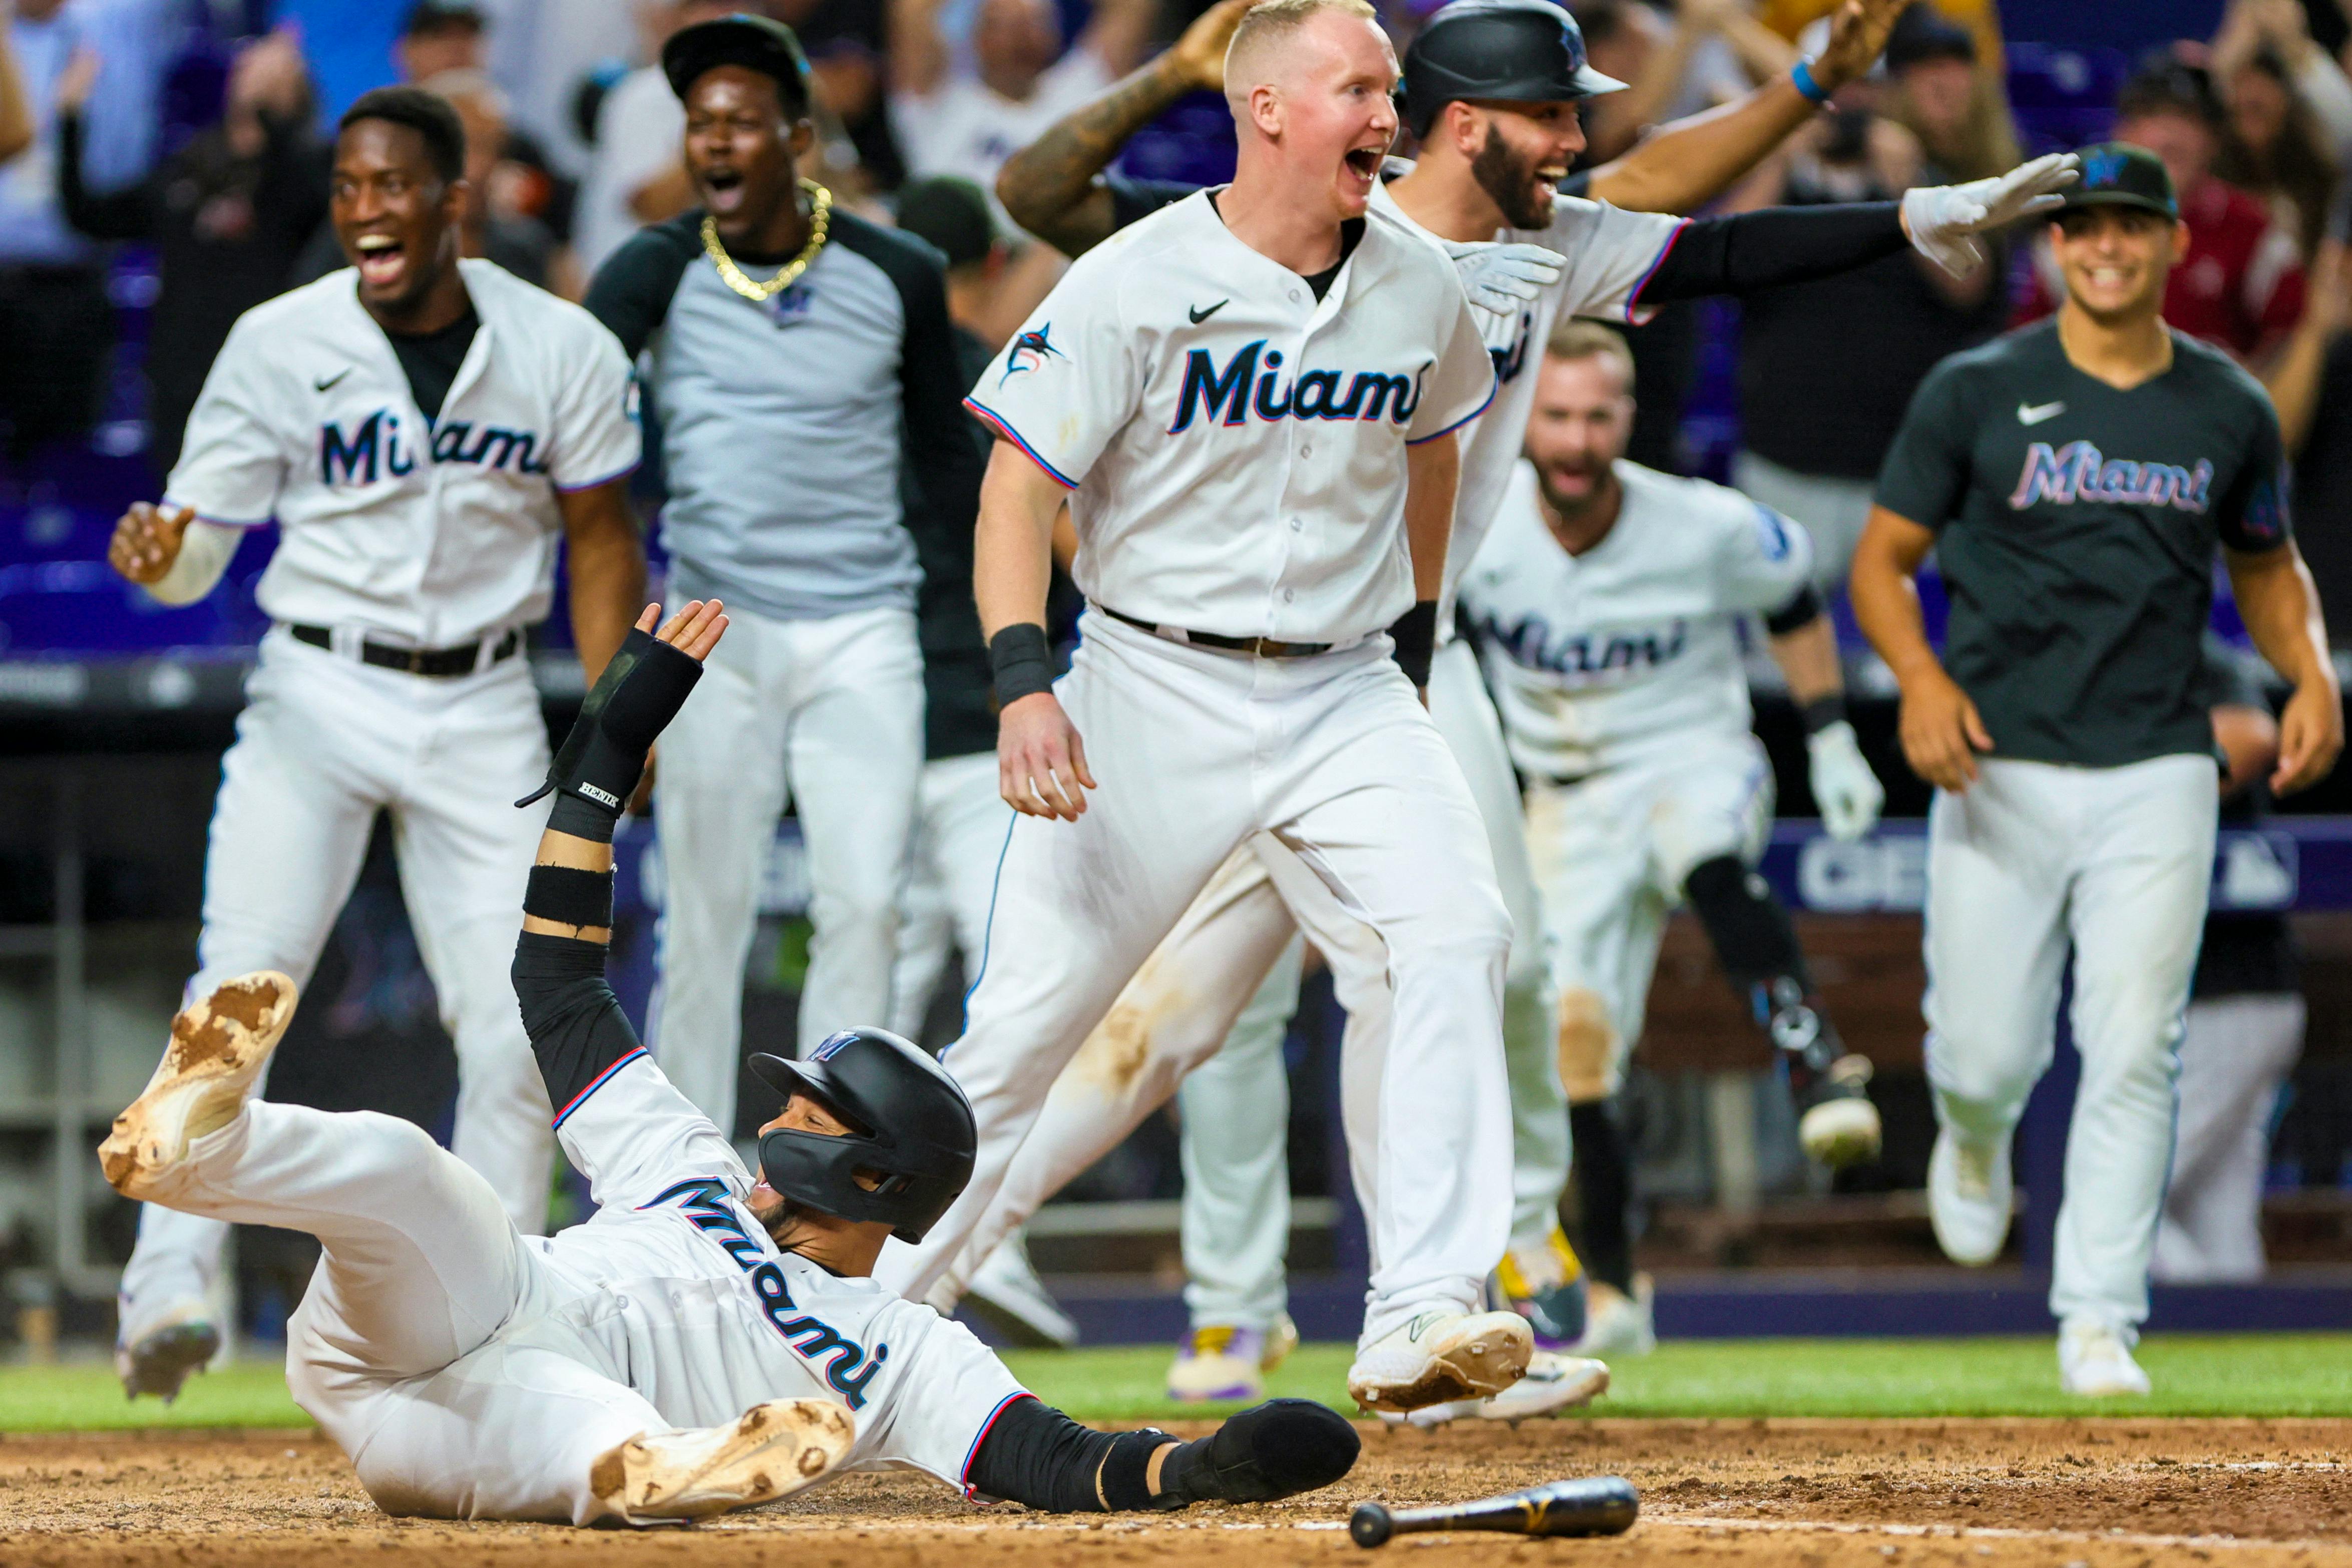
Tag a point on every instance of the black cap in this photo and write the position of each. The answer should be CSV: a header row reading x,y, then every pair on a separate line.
x,y
755,43
914,1131
432,15
2117,175
1922,33
952,214
1514,51
2166,83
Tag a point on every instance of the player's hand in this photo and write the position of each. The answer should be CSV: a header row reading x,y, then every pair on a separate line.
x,y
1848,792
1505,278
1040,761
1941,220
147,541
694,631
1200,52
2311,736
1942,734
1857,38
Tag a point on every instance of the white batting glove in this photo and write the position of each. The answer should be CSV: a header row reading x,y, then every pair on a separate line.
x,y
1843,786
1942,218
1505,278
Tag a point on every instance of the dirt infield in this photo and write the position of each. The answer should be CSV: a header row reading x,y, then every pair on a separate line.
x,y
2107,1493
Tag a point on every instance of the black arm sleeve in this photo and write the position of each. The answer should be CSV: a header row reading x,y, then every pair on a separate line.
x,y
632,291
1804,607
126,214
1037,1456
576,1023
1748,252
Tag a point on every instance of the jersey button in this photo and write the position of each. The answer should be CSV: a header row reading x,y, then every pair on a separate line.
x,y
1289,595
1295,525
1306,451
1296,296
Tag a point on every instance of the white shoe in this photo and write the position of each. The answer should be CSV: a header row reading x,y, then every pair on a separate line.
x,y
770,1451
156,1354
1968,1197
1228,1361
2095,1361
1617,1325
1841,1127
1005,1290
1442,1356
218,1048
1553,1383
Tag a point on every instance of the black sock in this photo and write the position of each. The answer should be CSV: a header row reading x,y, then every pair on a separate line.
x,y
1604,1187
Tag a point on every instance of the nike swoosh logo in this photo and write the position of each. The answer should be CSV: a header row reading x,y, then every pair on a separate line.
x,y
324,386
1199,316
2035,412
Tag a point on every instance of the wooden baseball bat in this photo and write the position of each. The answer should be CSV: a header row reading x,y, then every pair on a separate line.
x,y
1584,1505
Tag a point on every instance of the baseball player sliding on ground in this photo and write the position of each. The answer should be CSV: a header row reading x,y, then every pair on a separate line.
x,y
2074,479
1608,603
709,1341
1493,89
424,430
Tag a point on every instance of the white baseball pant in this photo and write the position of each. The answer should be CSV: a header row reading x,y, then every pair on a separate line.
x,y
2116,861
828,713
323,744
2235,1053
396,1349
1611,853
960,828
1335,757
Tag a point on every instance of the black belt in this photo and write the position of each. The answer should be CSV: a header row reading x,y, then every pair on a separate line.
x,y
438,662
1263,647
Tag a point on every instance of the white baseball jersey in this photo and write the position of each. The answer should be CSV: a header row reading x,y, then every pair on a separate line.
x,y
428,532
1235,449
683,1296
1610,254
1593,656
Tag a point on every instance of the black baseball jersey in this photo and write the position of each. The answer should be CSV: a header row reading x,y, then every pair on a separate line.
x,y
2075,530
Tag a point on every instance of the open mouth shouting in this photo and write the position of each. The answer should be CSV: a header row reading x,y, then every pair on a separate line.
x,y
1360,169
722,190
383,261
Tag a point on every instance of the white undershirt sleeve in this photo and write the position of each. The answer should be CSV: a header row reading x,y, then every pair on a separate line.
x,y
205,551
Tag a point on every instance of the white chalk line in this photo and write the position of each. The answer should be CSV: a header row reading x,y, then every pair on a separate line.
x,y
1978,1532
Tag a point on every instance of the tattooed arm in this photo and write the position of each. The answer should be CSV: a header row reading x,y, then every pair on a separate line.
x,y
1051,188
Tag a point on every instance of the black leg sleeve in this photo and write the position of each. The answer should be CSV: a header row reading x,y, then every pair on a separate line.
x,y
1604,1185
1751,934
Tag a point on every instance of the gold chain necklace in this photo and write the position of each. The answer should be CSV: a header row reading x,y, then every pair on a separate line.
x,y
752,289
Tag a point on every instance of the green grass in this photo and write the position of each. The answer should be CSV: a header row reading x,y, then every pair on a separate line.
x,y
2195,1374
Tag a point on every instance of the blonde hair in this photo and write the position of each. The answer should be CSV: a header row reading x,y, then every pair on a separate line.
x,y
1573,339
1269,23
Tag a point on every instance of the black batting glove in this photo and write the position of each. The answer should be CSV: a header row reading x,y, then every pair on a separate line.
x,y
601,762
1277,1449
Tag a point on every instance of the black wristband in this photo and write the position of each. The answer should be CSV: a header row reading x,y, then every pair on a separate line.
x,y
583,819
1823,712
569,895
1020,661
1415,636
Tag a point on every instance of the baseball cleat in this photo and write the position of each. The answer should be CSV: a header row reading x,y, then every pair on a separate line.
x,y
160,1355
1005,1290
1442,1356
219,1046
1545,1285
770,1451
1968,1197
1553,1384
1617,1324
2095,1361
1841,1126
1224,1362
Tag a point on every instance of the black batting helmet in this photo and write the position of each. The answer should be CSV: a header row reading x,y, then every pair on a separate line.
x,y
914,1129
1514,51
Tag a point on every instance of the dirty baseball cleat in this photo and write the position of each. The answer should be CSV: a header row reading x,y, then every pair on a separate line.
x,y
770,1451
1545,1285
218,1048
156,1356
1968,1196
1840,1126
1229,1360
1617,1324
1553,1383
1005,1290
1442,1356
2095,1360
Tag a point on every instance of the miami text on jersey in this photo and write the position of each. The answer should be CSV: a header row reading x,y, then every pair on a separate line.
x,y
1225,396
356,455
1584,658
848,1366
2077,471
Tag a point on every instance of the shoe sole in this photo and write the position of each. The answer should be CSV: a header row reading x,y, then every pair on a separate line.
x,y
1571,1392
219,1045
770,1451
161,1363
1477,1363
1221,1394
1841,1132
1023,1326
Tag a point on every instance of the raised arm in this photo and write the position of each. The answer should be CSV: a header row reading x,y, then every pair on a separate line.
x,y
918,52
1118,31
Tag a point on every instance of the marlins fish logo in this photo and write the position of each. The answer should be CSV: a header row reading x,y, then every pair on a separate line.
x,y
2102,169
1029,352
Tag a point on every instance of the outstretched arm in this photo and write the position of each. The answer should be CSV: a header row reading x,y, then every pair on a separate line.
x,y
1033,1455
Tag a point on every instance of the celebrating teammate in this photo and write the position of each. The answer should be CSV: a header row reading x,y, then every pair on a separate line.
x,y
1492,89
708,1341
423,429
1608,603
2074,479
797,357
